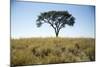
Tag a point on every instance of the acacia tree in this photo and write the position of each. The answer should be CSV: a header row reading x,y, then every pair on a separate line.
x,y
56,19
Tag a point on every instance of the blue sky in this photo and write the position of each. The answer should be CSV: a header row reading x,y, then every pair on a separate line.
x,y
24,15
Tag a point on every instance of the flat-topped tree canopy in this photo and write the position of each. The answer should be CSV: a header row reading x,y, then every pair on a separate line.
x,y
56,19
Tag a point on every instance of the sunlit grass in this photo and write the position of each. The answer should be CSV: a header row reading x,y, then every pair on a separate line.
x,y
26,51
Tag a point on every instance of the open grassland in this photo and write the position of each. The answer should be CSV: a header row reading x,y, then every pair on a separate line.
x,y
27,51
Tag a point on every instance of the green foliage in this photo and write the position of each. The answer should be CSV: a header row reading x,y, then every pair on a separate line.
x,y
51,50
56,19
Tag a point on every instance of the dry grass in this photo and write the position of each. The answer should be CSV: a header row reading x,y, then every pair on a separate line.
x,y
28,51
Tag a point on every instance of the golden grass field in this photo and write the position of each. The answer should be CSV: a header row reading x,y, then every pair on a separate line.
x,y
32,51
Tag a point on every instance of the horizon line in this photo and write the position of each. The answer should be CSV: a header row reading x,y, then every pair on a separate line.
x,y
51,37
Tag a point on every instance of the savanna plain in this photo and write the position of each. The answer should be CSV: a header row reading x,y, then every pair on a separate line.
x,y
50,50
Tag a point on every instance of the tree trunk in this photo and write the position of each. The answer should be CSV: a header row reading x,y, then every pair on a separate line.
x,y
57,34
